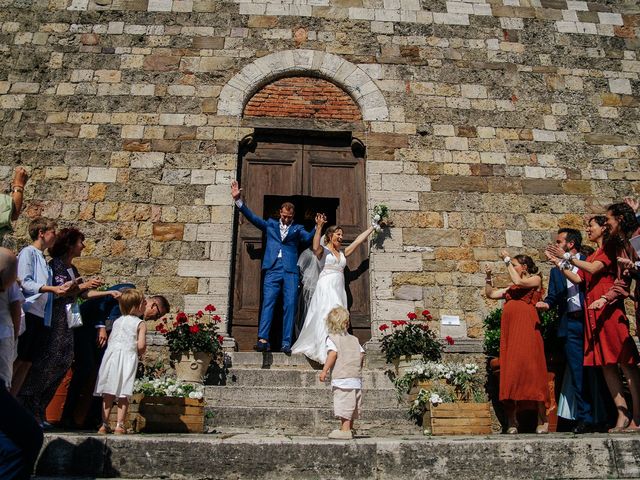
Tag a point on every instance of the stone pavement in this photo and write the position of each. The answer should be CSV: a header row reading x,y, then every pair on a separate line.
x,y
228,456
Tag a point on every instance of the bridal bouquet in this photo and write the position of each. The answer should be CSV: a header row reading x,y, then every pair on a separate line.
x,y
380,218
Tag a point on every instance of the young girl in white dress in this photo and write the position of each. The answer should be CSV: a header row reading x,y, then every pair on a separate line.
x,y
329,292
120,362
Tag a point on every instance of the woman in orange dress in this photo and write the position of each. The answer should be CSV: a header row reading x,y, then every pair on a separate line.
x,y
523,368
608,343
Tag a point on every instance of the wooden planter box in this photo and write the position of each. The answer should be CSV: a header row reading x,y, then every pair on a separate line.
x,y
458,418
163,415
170,415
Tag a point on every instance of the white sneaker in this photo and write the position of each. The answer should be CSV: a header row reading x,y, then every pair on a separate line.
x,y
341,435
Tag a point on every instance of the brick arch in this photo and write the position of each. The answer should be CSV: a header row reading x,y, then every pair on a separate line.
x,y
355,81
303,97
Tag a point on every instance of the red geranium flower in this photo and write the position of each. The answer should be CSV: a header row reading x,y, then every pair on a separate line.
x,y
383,327
412,316
449,340
194,328
210,308
402,322
395,323
424,326
216,318
199,314
175,324
220,339
181,317
426,314
159,327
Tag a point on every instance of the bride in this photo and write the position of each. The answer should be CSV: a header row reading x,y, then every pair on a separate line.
x,y
329,292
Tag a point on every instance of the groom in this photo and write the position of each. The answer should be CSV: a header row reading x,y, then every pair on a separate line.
x,y
280,267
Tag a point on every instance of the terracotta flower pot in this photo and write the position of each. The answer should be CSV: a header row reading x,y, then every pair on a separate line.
x,y
191,367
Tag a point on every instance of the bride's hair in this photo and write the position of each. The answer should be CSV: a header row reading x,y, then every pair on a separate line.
x,y
338,321
330,231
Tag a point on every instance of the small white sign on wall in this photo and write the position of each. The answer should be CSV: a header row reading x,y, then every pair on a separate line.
x,y
450,320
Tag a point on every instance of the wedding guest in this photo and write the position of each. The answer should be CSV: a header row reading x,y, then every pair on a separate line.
x,y
608,343
20,435
523,368
10,312
568,298
345,358
118,368
11,205
37,286
53,360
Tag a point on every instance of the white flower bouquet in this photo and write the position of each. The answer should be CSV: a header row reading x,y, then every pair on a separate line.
x,y
167,387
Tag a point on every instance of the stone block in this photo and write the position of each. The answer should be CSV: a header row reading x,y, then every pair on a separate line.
x,y
395,262
164,232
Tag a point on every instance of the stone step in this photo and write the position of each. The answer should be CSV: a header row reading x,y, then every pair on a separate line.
x,y
306,421
252,396
271,360
295,377
200,457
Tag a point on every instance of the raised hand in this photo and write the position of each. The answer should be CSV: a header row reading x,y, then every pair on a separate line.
x,y
488,270
555,250
504,253
632,202
552,258
236,191
321,219
20,177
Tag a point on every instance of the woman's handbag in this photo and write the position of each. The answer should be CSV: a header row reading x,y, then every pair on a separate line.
x,y
74,319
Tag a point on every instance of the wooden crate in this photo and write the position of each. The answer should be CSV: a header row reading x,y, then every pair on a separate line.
x,y
458,418
171,415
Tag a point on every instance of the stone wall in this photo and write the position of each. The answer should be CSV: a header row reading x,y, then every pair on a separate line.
x,y
487,124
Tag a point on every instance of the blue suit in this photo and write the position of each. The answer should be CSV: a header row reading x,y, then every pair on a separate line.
x,y
280,266
571,328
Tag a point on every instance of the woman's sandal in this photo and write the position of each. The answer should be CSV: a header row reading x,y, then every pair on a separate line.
x,y
543,428
622,429
104,429
512,430
120,430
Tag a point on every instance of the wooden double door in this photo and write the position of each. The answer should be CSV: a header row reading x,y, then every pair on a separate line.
x,y
317,174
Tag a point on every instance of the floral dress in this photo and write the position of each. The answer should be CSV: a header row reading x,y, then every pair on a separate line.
x,y
52,363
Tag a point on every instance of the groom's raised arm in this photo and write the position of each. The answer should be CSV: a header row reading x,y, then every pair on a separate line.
x,y
252,217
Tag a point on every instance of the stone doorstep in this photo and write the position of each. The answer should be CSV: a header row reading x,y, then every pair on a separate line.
x,y
306,420
297,378
198,457
269,360
286,396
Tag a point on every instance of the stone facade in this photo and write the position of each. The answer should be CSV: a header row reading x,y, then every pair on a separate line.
x,y
487,124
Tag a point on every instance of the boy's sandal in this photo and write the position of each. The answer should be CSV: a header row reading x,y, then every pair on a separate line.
x,y
104,429
120,430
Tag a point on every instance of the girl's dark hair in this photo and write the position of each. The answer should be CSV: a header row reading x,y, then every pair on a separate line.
x,y
627,218
528,261
66,238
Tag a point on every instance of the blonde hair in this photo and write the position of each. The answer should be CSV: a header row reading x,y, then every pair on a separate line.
x,y
338,320
130,298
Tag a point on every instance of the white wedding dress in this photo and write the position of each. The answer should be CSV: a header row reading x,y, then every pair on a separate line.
x,y
329,293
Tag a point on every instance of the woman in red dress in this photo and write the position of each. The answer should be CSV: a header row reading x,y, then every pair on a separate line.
x,y
608,343
523,368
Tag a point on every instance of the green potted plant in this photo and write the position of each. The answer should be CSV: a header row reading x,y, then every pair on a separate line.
x,y
405,341
193,341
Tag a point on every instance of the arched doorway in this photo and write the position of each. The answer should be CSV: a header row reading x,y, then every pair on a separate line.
x,y
316,173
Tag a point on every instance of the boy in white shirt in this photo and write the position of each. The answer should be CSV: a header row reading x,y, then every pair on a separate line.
x,y
344,359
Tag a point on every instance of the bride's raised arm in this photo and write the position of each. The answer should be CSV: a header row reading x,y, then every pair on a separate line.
x,y
318,250
359,239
